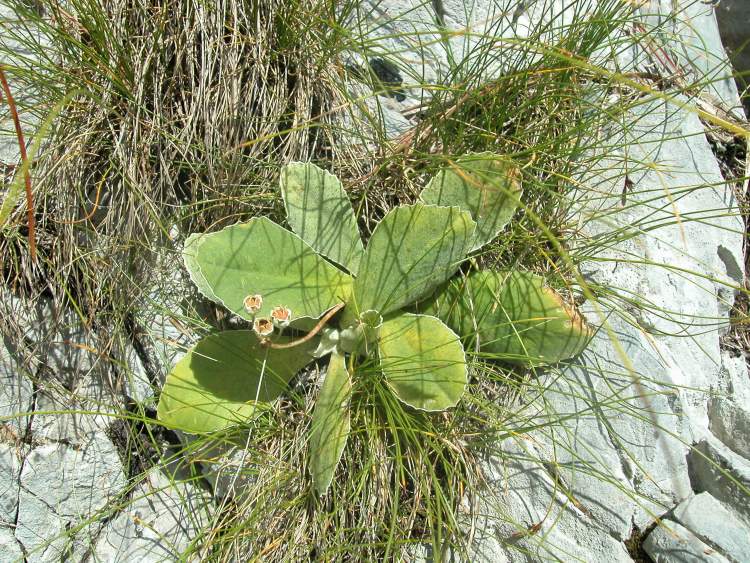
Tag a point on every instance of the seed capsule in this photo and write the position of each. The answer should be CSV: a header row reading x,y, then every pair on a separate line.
x,y
281,316
263,327
253,303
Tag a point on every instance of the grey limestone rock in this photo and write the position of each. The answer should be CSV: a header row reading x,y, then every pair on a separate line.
x,y
730,422
726,475
15,394
10,549
716,525
624,461
158,523
64,493
671,543
732,16
10,469
534,515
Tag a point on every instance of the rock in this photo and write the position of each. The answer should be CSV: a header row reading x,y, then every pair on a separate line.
x,y
137,379
10,468
696,40
645,435
730,423
689,288
615,423
15,394
603,453
526,496
735,378
10,550
732,16
65,492
715,525
158,524
716,469
671,543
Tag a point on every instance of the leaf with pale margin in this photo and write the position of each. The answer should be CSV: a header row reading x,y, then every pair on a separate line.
x,y
513,315
318,210
485,185
330,424
189,254
215,384
260,257
413,249
423,361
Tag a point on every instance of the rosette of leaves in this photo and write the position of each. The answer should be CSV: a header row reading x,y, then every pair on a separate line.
x,y
352,301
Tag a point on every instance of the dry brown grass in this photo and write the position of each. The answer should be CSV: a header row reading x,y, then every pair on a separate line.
x,y
185,113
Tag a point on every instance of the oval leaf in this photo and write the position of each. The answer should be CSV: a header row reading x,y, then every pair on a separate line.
x,y
320,213
215,384
514,315
485,185
330,424
189,255
260,257
423,361
413,249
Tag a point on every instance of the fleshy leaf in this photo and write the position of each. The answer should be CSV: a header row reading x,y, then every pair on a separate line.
x,y
328,343
320,213
189,254
485,185
215,384
330,424
361,336
261,258
412,250
514,315
423,361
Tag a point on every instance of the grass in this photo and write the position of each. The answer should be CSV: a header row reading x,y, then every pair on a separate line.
x,y
182,119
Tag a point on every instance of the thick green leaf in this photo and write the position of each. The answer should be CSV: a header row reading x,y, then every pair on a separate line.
x,y
362,336
260,257
423,361
330,424
215,384
485,185
514,316
320,213
189,254
412,251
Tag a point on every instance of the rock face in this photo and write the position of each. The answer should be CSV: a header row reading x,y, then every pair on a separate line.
x,y
61,488
733,16
716,525
157,524
671,543
65,492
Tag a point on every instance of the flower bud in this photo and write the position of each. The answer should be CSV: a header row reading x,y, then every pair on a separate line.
x,y
253,303
281,316
263,327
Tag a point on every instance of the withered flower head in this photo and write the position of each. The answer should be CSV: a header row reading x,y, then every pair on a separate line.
x,y
253,303
263,327
281,316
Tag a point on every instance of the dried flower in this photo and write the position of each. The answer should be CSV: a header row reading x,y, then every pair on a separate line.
x,y
253,303
281,316
263,327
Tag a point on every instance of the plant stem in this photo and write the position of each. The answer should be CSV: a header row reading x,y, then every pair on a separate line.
x,y
321,323
24,158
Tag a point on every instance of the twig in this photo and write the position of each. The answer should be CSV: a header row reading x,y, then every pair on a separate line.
x,y
309,335
24,160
